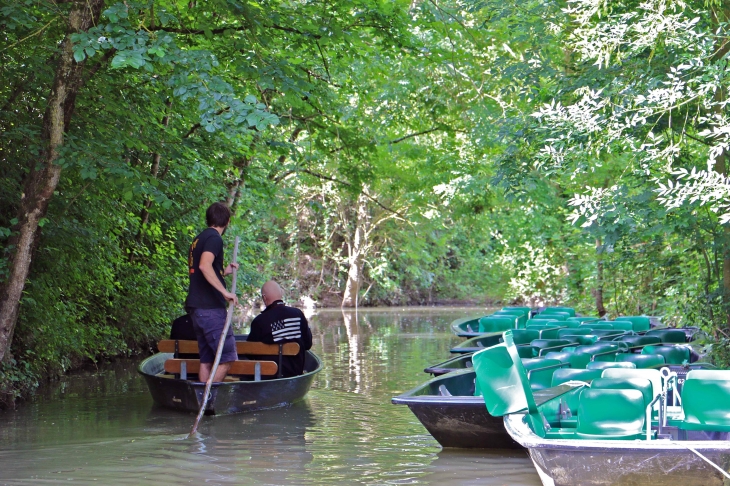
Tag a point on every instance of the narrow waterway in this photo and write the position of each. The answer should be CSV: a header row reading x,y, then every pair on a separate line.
x,y
101,427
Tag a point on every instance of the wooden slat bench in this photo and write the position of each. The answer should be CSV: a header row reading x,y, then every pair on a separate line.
x,y
178,347
256,368
242,347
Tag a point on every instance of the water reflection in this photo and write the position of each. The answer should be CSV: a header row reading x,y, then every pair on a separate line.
x,y
101,426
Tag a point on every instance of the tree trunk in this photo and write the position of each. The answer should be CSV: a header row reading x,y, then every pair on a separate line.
x,y
357,253
600,309
44,173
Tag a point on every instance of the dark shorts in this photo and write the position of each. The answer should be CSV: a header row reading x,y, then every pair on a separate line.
x,y
208,325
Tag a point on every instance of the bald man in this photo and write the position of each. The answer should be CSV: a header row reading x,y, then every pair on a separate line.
x,y
279,323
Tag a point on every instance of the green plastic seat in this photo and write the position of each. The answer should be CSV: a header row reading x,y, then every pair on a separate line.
x,y
674,336
653,375
554,344
542,322
573,332
602,365
563,375
525,336
641,323
705,399
641,384
540,371
495,324
584,340
525,351
622,325
563,356
610,414
569,310
524,310
583,319
560,316
521,318
597,325
642,360
548,332
593,352
636,341
606,333
672,354
708,374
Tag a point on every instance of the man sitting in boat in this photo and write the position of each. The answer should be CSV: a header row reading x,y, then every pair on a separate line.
x,y
279,323
207,294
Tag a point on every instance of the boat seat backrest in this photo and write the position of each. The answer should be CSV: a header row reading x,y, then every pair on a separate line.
x,y
641,323
605,333
540,371
598,325
542,323
622,325
610,414
560,316
582,319
636,341
597,348
642,360
708,374
241,367
642,384
654,376
673,336
672,354
563,356
563,375
549,332
495,324
705,400
602,365
582,355
568,310
242,347
525,336
577,331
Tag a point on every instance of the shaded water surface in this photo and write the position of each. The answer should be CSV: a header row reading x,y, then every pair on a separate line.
x,y
101,427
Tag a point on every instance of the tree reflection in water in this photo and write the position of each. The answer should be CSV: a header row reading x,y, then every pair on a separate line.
x,y
101,425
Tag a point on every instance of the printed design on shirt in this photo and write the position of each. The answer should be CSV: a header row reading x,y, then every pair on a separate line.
x,y
286,329
190,255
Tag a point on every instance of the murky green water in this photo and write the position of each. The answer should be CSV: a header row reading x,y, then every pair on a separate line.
x,y
102,428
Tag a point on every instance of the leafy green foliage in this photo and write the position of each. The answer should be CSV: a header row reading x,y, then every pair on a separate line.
x,y
448,150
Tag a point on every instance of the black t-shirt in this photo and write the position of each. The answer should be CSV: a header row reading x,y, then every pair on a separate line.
x,y
201,294
279,323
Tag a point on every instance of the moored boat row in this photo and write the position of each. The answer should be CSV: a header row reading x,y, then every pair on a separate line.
x,y
555,346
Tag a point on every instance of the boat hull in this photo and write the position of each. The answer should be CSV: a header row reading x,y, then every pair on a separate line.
x,y
448,409
462,423
617,462
228,397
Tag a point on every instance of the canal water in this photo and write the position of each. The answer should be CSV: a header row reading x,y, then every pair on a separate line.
x,y
100,427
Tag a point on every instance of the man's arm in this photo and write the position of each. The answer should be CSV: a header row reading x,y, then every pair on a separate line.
x,y
306,333
206,267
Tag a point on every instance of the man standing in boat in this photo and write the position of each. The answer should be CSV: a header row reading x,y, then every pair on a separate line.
x,y
207,294
279,323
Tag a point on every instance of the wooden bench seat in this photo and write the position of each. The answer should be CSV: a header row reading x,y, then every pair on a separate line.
x,y
184,366
189,349
242,347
